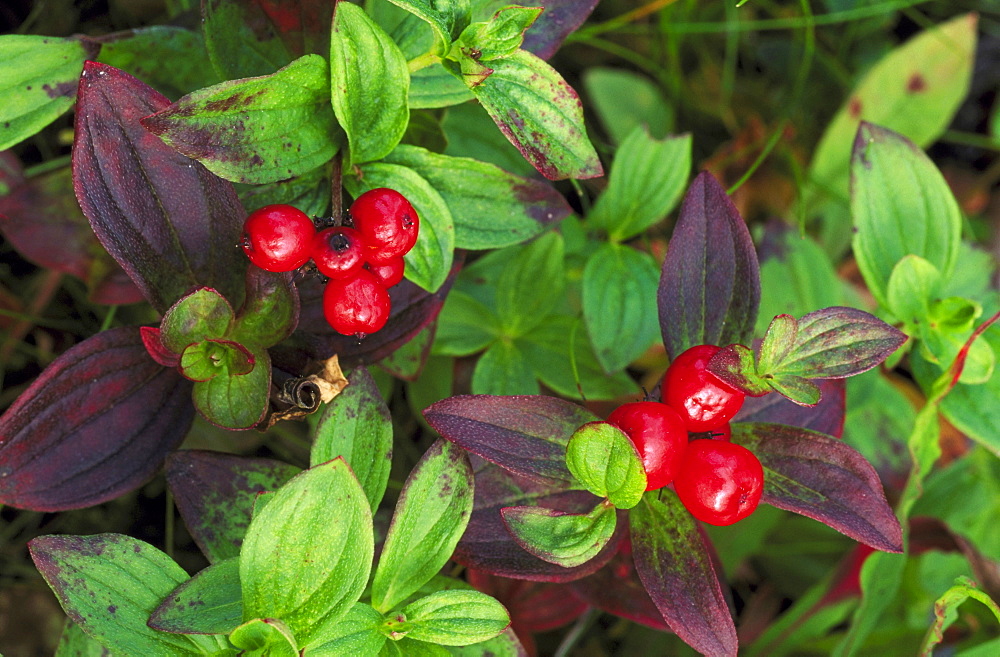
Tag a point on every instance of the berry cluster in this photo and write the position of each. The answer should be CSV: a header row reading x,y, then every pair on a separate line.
x,y
362,261
685,441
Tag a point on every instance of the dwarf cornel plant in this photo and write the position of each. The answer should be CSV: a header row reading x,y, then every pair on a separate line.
x,y
547,403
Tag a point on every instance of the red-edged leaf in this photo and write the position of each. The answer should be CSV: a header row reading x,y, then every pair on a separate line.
x,y
42,220
709,289
170,223
825,417
153,341
616,589
215,494
559,20
526,434
677,570
413,308
97,423
488,546
822,478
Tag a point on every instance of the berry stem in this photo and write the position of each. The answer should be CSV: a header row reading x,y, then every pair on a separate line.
x,y
337,190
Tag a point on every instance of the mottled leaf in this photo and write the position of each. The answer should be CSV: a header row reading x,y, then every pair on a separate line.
x,y
676,568
826,417
61,448
170,223
822,478
208,603
565,539
710,283
215,492
526,435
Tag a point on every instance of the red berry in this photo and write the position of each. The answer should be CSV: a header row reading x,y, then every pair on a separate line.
x,y
704,400
390,272
338,252
388,222
278,237
719,482
658,433
357,305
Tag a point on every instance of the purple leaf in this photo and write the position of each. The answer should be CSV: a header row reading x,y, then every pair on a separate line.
x,y
559,20
709,289
413,308
42,220
524,434
488,546
97,423
676,567
822,478
170,223
826,417
215,494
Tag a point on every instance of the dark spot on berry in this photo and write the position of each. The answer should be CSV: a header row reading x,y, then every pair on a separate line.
x,y
916,83
854,108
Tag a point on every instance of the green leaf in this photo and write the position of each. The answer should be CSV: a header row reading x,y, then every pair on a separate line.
x,y
201,315
38,80
799,390
206,360
465,326
208,603
624,101
429,262
236,401
307,554
647,179
900,205
491,208
265,637
472,133
357,426
430,516
369,84
270,311
238,47
915,90
499,37
531,285
256,130
946,611
562,356
357,633
912,286
451,618
433,87
447,18
109,584
168,58
504,645
504,370
565,539
309,192
619,304
607,463
540,114
74,642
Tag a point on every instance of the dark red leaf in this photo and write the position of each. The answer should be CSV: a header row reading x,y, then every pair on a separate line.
x,y
534,606
170,223
616,589
559,20
709,289
413,308
677,569
526,434
42,220
96,424
822,478
825,417
215,494
153,342
488,546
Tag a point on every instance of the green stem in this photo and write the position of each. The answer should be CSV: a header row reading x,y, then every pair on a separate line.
x,y
422,61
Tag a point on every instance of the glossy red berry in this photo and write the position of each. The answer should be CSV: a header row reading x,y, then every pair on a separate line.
x,y
389,273
658,433
278,237
388,222
719,482
703,399
358,305
338,252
